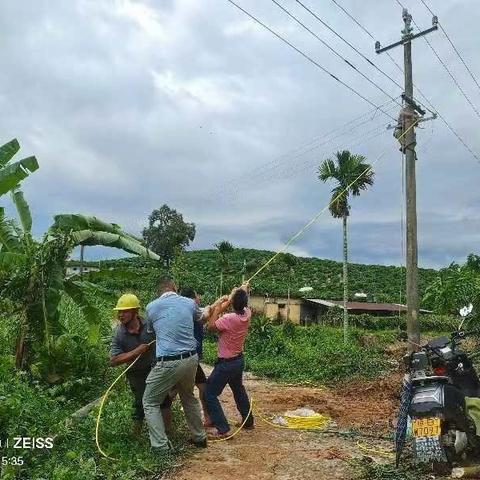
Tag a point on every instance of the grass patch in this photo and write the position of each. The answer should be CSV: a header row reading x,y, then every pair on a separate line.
x,y
366,469
30,410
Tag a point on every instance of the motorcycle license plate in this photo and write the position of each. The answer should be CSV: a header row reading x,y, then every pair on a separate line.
x,y
426,427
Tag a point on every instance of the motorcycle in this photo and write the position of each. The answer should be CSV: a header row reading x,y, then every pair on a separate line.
x,y
440,383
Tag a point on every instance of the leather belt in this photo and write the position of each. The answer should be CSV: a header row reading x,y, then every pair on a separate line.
x,y
231,359
180,356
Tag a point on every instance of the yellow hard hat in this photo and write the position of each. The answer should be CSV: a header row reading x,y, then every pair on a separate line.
x,y
127,302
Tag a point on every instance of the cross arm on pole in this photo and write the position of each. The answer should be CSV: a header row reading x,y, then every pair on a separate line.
x,y
407,33
408,38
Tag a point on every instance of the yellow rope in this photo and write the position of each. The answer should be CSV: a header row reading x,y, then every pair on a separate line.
x,y
315,422
102,403
290,241
375,451
239,428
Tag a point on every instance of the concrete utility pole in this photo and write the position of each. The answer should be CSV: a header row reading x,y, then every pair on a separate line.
x,y
405,133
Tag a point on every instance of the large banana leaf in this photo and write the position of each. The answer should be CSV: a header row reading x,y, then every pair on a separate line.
x,y
23,209
11,175
115,240
8,236
8,151
76,222
92,315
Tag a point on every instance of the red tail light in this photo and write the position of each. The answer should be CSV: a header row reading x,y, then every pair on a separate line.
x,y
440,370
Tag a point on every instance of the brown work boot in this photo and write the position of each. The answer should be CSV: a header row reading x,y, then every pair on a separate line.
x,y
137,428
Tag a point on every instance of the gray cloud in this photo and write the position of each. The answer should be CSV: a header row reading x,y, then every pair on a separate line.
x,y
129,105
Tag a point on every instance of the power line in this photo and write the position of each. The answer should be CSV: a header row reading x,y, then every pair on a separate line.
x,y
231,187
293,169
307,57
477,158
304,149
360,139
457,135
348,43
349,15
452,76
453,46
350,64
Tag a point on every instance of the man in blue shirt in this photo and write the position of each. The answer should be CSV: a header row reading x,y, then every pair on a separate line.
x,y
171,317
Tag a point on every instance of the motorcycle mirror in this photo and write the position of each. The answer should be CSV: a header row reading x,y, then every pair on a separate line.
x,y
464,312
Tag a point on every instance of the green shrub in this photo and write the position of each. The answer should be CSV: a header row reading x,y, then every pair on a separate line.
x,y
314,354
367,469
428,322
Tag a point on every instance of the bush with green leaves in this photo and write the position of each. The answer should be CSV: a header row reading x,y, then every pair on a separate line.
x,y
454,287
314,354
367,469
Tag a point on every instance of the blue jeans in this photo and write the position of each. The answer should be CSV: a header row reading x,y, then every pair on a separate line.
x,y
227,373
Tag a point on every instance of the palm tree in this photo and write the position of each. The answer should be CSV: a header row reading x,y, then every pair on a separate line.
x,y
290,261
351,174
224,249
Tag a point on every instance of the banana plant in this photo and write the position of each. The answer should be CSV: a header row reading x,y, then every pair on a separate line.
x,y
44,282
12,173
36,269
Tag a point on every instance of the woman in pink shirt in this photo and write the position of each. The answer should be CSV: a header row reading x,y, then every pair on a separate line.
x,y
231,328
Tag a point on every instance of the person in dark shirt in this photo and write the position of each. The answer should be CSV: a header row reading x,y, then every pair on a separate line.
x,y
199,333
130,341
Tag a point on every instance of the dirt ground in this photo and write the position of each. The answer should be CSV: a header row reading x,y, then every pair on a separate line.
x,y
267,453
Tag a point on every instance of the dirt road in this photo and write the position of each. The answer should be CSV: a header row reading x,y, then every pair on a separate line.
x,y
271,453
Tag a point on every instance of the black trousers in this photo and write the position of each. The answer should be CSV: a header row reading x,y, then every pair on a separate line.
x,y
136,380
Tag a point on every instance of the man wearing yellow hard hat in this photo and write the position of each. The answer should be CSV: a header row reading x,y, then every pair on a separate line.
x,y
130,341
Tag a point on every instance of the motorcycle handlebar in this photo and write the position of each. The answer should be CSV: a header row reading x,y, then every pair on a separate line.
x,y
457,335
461,334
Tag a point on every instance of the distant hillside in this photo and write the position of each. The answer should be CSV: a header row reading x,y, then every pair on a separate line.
x,y
201,270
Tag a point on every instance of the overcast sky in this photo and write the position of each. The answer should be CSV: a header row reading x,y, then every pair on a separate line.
x,y
129,105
